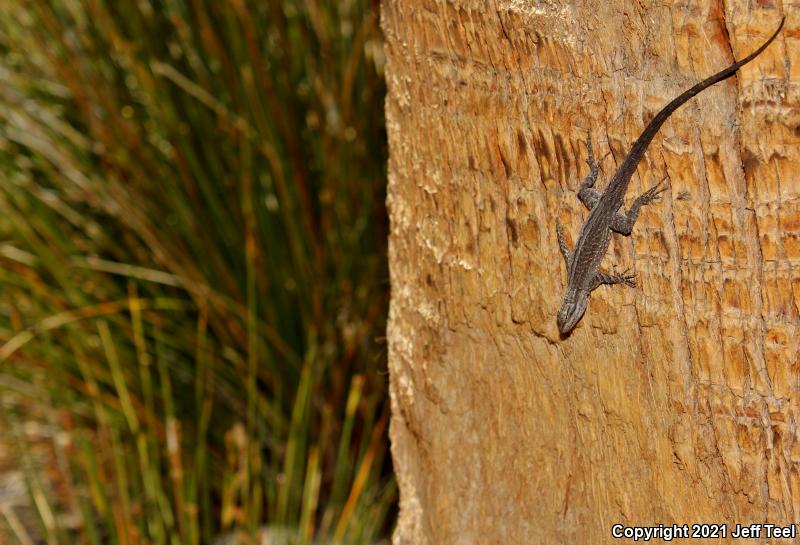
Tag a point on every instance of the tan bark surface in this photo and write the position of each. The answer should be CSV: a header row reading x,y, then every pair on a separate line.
x,y
673,402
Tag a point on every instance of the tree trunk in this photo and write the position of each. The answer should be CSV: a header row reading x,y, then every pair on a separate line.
x,y
675,402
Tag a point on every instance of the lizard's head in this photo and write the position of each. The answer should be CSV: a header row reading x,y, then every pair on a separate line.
x,y
572,310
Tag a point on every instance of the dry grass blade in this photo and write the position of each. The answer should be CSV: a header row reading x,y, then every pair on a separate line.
x,y
192,261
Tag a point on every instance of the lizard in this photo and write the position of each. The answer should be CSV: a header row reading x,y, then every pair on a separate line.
x,y
583,261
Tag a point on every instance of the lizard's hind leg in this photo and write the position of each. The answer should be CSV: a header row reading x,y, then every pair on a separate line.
x,y
587,194
623,223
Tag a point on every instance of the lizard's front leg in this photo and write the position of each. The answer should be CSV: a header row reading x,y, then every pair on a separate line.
x,y
587,194
562,243
627,278
623,223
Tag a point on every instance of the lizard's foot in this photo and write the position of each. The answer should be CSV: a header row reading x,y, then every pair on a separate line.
x,y
627,278
653,193
590,160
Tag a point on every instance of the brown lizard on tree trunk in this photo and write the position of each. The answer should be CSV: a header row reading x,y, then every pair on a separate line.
x,y
583,262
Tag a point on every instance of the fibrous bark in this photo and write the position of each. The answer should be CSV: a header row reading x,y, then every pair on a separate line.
x,y
673,402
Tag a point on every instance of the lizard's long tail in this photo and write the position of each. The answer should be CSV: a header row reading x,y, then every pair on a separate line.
x,y
637,151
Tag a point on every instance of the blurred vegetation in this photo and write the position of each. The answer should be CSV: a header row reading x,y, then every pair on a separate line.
x,y
192,269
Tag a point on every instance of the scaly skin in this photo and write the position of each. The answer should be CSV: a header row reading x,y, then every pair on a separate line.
x,y
583,263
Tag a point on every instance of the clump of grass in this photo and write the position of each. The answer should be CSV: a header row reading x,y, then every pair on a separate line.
x,y
192,240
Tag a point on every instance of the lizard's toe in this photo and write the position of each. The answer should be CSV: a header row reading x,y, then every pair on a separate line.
x,y
628,278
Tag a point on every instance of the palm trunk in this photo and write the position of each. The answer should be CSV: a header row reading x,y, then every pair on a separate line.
x,y
675,402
